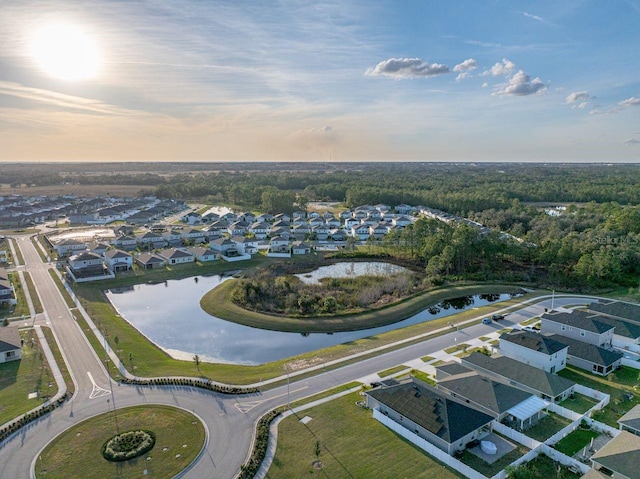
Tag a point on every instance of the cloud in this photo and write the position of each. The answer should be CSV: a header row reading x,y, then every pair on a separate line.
x,y
468,64
538,18
632,101
521,84
577,96
503,68
631,141
407,68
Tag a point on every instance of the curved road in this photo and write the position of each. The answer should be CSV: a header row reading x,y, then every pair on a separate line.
x,y
230,419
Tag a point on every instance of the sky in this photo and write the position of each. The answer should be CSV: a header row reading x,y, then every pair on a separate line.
x,y
424,80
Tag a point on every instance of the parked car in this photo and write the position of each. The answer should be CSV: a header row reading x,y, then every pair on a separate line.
x,y
530,329
486,321
498,317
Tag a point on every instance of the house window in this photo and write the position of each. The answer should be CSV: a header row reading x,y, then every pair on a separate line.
x,y
582,333
10,354
563,327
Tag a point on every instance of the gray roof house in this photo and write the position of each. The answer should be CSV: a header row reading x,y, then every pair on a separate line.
x,y
528,378
534,349
578,325
620,457
10,345
6,290
149,261
590,357
617,309
631,421
439,418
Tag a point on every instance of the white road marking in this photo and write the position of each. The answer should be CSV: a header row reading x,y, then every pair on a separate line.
x,y
97,391
245,407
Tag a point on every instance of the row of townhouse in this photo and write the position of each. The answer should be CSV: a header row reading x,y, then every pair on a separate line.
x,y
6,289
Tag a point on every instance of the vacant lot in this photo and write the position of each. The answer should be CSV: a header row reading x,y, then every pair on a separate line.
x,y
351,444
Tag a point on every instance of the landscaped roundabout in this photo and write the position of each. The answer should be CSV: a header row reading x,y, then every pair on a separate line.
x,y
160,440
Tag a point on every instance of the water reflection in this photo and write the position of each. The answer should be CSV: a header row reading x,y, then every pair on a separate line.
x,y
169,314
351,269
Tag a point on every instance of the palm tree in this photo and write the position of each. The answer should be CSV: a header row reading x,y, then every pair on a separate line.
x,y
196,359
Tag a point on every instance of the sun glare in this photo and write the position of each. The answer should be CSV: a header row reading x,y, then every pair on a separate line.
x,y
66,52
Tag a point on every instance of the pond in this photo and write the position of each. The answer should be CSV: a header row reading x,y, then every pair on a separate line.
x,y
351,270
169,314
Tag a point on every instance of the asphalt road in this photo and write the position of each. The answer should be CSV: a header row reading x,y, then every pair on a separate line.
x,y
230,420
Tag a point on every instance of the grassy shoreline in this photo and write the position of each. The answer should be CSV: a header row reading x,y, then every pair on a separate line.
x,y
216,303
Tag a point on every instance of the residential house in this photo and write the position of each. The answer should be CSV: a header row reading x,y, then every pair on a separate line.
x,y
313,215
203,254
173,237
374,215
360,232
69,246
404,209
238,228
229,217
123,230
321,232
124,242
192,218
281,224
280,232
210,217
300,247
98,247
381,207
442,420
343,215
534,349
279,245
264,218
177,256
338,234
580,326
282,217
402,221
10,345
224,247
630,422
247,217
619,458
86,264
245,245
617,309
259,229
6,289
503,402
219,226
590,357
118,260
193,236
149,261
150,240
297,215
300,231
350,223
333,223
550,387
378,231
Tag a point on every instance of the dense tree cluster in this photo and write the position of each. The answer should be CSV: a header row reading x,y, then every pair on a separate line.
x,y
289,295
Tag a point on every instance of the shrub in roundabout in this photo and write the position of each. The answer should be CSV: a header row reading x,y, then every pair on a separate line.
x,y
128,445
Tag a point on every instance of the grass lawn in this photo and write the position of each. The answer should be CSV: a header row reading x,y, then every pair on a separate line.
x,y
457,347
547,468
20,308
531,321
426,359
20,378
35,299
19,258
149,360
216,302
575,441
78,451
352,445
490,470
392,371
36,243
61,288
547,427
619,387
53,345
329,392
580,403
422,376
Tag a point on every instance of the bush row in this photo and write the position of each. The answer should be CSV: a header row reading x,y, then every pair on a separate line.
x,y
128,445
191,382
6,431
250,468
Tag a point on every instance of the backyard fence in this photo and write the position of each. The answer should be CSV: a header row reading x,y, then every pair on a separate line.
x,y
515,435
630,363
564,459
564,412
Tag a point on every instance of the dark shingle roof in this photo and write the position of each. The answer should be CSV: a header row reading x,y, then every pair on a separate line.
x,y
537,379
534,341
621,454
453,368
589,352
438,413
493,395
580,321
618,309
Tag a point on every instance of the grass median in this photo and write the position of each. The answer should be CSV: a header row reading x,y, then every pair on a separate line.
x,y
35,299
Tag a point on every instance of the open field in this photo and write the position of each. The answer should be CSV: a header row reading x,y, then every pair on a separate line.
x,y
77,451
352,445
18,379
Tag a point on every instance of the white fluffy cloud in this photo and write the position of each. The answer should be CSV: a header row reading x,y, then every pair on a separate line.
x,y
632,141
578,97
633,101
501,69
407,68
521,84
465,68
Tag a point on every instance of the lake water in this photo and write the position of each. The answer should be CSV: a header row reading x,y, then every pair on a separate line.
x,y
169,314
350,270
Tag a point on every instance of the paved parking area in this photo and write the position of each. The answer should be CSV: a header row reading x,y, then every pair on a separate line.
x,y
503,446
